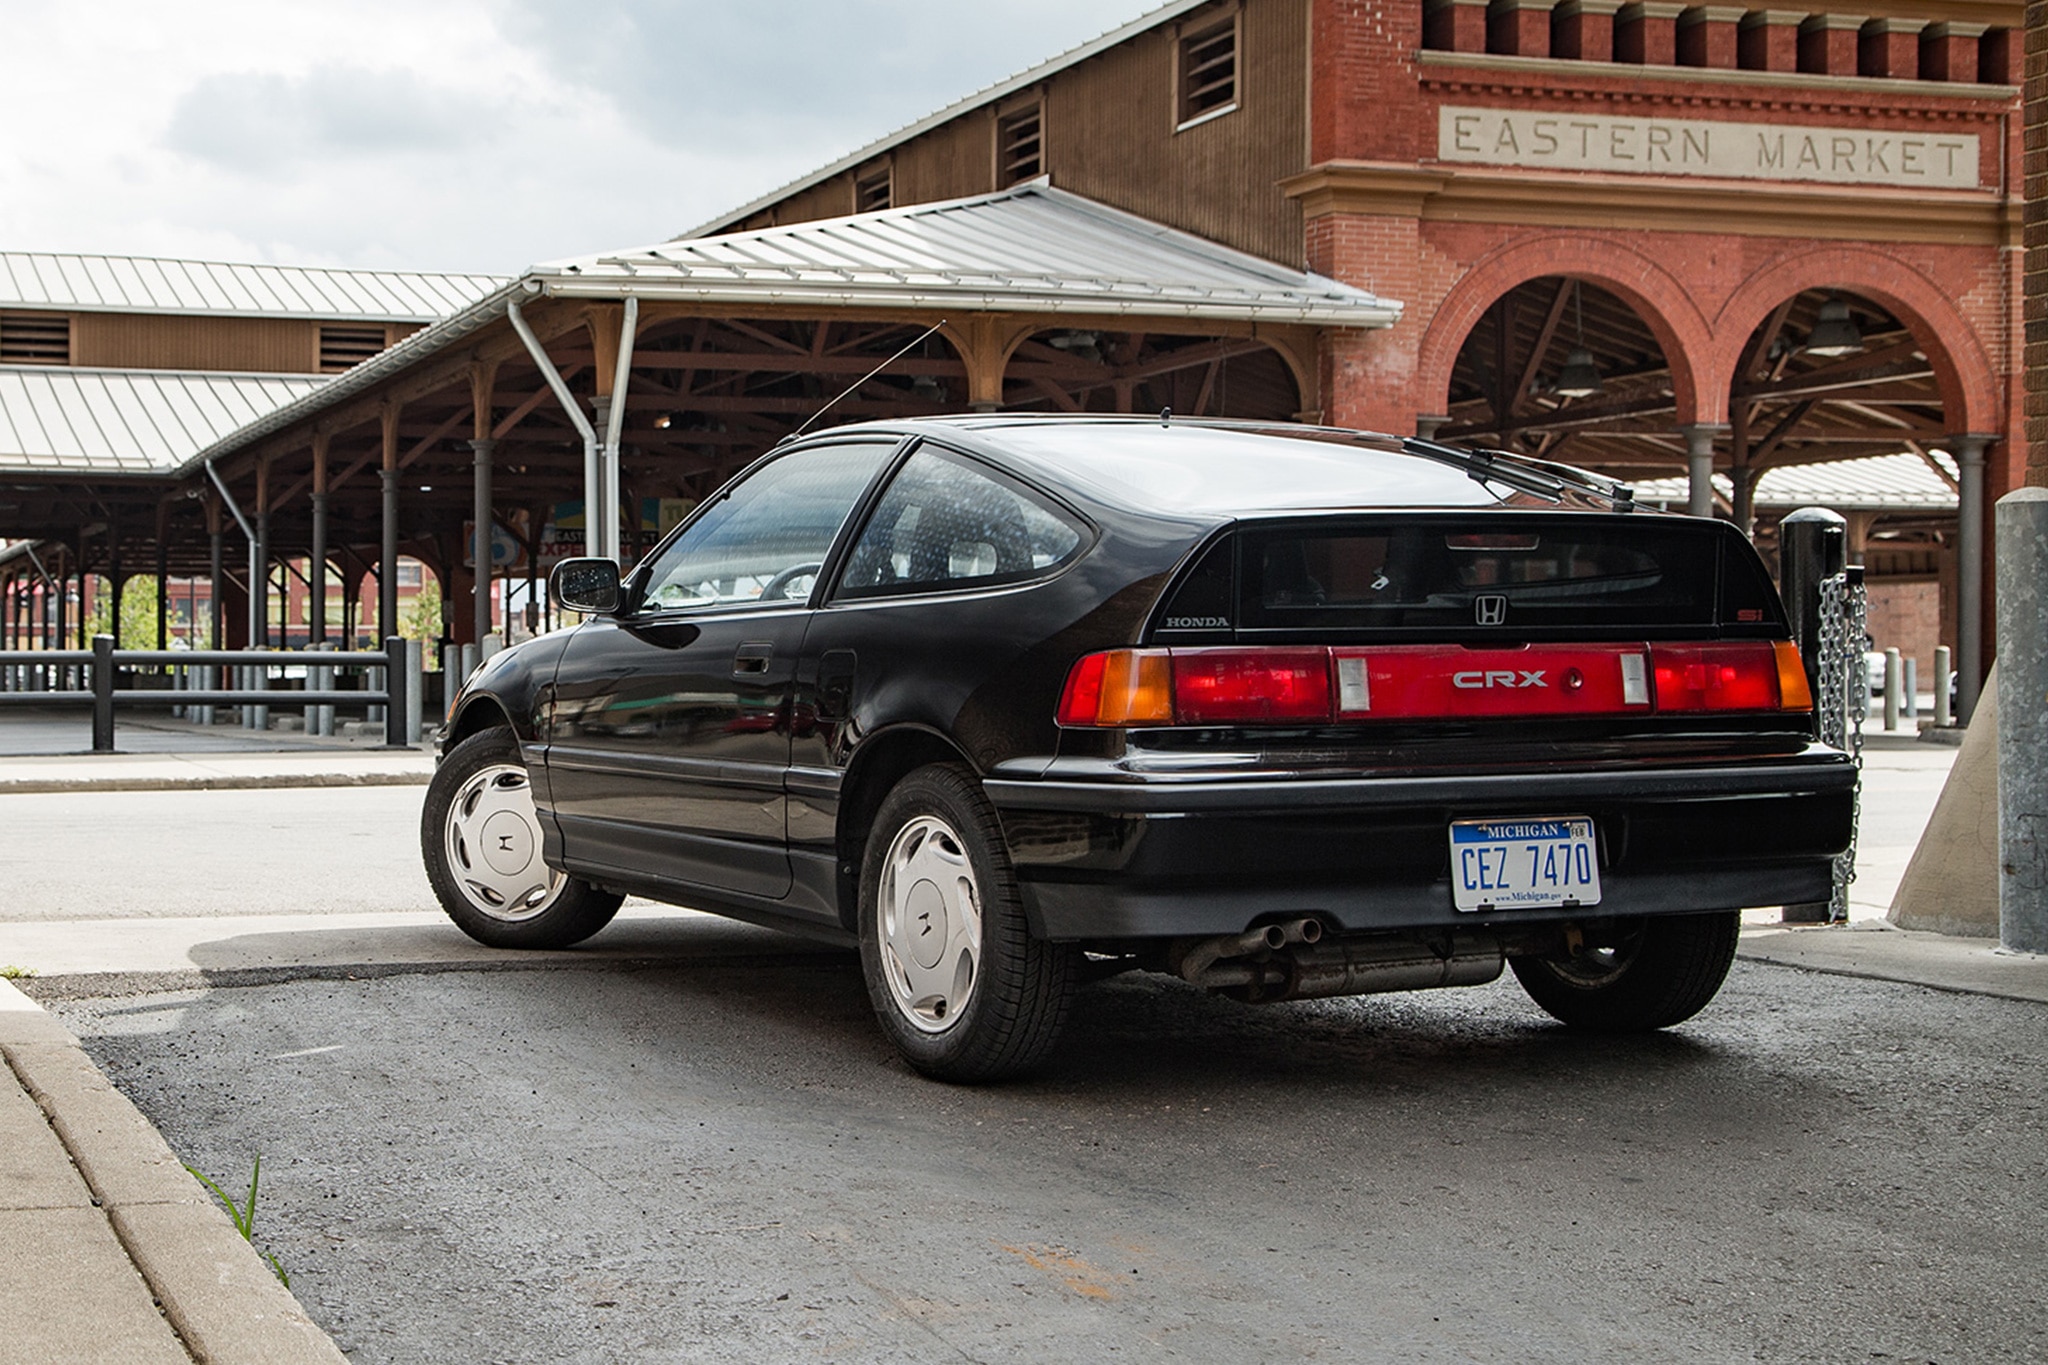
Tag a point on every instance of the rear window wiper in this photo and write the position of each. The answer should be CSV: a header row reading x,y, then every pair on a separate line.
x,y
1545,478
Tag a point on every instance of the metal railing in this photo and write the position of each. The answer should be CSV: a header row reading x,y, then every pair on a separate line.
x,y
79,677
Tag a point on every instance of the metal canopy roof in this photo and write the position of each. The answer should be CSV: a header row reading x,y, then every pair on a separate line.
x,y
129,421
1031,249
1028,249
1876,483
136,284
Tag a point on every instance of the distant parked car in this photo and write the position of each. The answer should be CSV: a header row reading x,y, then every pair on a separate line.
x,y
1285,712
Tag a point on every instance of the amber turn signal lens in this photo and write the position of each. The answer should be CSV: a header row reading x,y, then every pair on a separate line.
x,y
1119,687
1793,692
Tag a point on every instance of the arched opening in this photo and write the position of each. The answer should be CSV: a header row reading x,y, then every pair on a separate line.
x,y
1829,375
1563,368
1836,403
1086,369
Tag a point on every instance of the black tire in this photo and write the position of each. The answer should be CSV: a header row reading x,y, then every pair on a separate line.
x,y
519,902
1646,974
935,849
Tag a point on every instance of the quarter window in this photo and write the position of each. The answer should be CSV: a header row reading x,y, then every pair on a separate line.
x,y
945,525
762,542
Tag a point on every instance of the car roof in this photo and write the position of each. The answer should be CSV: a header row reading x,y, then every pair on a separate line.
x,y
1208,468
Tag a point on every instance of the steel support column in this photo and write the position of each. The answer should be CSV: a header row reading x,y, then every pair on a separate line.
x,y
316,609
1969,454
1699,461
387,560
480,541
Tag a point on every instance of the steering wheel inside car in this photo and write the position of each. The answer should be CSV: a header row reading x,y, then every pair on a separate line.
x,y
785,578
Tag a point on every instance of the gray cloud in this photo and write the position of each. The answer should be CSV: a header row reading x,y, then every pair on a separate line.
x,y
800,79
261,123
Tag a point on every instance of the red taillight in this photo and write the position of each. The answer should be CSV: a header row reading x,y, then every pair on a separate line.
x,y
1734,677
1306,685
1229,686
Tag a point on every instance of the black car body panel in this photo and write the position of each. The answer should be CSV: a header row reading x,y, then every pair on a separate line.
x,y
723,755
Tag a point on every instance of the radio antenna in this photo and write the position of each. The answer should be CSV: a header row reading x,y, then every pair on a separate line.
x,y
914,342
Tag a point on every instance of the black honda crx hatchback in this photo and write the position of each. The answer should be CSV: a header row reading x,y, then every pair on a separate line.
x,y
1284,711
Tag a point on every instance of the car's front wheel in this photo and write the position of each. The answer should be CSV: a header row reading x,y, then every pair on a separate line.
x,y
1646,974
958,983
481,839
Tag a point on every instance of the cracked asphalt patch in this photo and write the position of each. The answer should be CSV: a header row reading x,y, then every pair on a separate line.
x,y
722,1161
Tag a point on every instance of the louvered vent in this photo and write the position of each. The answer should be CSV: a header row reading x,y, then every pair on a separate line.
x,y
344,347
872,191
1208,72
35,339
1020,146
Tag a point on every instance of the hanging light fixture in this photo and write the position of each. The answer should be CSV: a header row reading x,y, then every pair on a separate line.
x,y
1834,333
1580,377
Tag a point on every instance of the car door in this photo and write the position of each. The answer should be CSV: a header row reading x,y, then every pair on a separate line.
x,y
669,727
934,623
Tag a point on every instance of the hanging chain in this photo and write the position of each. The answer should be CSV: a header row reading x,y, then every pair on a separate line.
x,y
1841,700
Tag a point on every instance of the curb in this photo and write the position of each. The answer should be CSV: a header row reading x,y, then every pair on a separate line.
x,y
37,786
218,1295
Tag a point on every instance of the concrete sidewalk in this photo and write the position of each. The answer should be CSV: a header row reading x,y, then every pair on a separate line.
x,y
114,1252
215,772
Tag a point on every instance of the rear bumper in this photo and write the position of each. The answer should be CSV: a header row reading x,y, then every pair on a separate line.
x,y
1128,859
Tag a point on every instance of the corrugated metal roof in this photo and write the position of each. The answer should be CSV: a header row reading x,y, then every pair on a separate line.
x,y
137,284
129,421
1028,249
1000,90
1876,483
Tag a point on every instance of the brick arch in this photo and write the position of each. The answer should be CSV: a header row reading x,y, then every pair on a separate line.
x,y
1656,295
1962,369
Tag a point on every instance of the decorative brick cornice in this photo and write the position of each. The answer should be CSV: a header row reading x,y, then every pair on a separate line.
x,y
1478,70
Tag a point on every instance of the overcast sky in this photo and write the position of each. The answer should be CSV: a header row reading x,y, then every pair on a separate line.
x,y
463,134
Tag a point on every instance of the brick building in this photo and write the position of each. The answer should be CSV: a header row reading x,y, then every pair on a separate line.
x,y
1773,237
1694,243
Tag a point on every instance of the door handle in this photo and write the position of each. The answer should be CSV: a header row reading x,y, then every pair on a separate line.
x,y
752,658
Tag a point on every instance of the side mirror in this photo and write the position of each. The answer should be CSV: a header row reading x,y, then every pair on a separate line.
x,y
590,586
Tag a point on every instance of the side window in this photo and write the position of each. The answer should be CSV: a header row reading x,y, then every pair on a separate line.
x,y
944,524
762,542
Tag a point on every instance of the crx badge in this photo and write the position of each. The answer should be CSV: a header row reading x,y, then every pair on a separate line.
x,y
1489,609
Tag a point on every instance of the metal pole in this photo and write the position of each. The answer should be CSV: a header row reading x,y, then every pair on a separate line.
x,y
2022,525
592,492
615,421
316,613
415,689
480,541
387,560
1944,715
395,685
103,694
1894,688
1969,453
1813,546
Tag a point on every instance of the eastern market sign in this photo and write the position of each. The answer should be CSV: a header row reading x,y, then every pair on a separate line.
x,y
1740,151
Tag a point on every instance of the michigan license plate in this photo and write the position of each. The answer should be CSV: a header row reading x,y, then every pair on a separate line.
x,y
1523,864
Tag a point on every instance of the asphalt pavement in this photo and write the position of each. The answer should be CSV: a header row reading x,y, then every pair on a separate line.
x,y
476,1156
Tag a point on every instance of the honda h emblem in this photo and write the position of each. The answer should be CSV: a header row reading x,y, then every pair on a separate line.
x,y
1489,609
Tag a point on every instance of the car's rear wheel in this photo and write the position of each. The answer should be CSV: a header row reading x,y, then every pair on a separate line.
x,y
481,839
1647,974
958,983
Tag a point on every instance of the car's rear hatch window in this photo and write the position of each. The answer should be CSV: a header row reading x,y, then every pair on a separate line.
x,y
1492,577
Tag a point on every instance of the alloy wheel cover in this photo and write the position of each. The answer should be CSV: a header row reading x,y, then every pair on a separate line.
x,y
930,933
492,839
